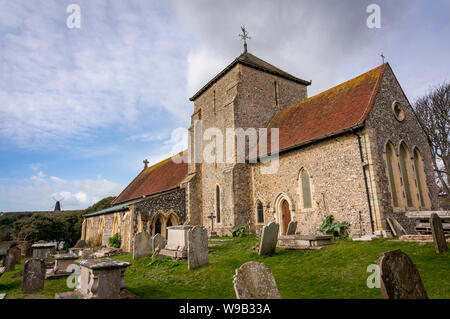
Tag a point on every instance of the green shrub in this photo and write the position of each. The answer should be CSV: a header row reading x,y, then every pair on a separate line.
x,y
330,227
239,231
115,241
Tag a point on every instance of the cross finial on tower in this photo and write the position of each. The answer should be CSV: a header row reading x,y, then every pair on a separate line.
x,y
382,56
244,36
145,163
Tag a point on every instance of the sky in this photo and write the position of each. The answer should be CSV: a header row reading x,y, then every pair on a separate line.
x,y
81,108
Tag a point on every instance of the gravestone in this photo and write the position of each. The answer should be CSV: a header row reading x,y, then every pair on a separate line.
x,y
269,239
197,247
292,227
254,280
2,270
399,277
62,266
438,234
80,244
142,245
33,275
43,250
158,242
396,228
10,262
16,251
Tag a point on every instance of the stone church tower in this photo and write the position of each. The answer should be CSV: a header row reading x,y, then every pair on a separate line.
x,y
246,94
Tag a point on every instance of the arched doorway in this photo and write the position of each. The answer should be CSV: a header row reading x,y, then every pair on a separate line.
x,y
285,216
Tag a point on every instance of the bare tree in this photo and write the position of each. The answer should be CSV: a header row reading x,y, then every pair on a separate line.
x,y
433,112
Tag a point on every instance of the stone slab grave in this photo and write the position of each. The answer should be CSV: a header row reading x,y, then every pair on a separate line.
x,y
106,252
395,226
142,245
254,280
62,262
176,242
437,232
292,228
197,247
9,262
99,279
269,239
399,277
304,242
33,275
44,251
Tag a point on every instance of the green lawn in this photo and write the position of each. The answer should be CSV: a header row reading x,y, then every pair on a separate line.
x,y
336,271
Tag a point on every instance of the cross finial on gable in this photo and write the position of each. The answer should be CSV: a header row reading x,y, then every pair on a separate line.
x,y
244,36
382,56
145,163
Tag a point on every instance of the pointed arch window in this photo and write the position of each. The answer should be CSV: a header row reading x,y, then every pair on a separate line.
x,y
218,203
260,212
390,163
404,166
305,184
421,179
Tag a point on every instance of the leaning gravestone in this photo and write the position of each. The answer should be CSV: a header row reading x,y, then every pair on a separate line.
x,y
269,239
292,227
10,262
255,280
396,228
80,244
142,245
438,234
197,247
399,277
158,242
33,275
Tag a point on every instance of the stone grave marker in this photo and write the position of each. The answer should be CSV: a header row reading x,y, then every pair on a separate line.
x,y
2,296
2,270
33,275
396,228
10,262
158,242
269,239
80,244
399,277
197,247
254,280
16,251
142,245
292,227
438,234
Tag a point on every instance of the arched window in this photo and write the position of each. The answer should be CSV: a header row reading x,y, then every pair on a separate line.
x,y
406,174
391,166
421,179
169,223
158,226
218,203
305,184
260,212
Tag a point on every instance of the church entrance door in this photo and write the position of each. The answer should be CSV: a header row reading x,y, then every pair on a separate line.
x,y
285,216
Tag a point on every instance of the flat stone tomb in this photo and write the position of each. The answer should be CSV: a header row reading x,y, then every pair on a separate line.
x,y
399,277
100,278
62,262
177,242
33,275
197,247
254,280
43,251
437,232
304,242
269,239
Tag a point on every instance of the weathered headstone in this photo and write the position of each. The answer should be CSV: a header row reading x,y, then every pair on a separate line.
x,y
197,247
269,239
438,234
33,275
16,252
254,280
158,242
292,228
43,250
80,244
399,277
10,262
142,245
396,228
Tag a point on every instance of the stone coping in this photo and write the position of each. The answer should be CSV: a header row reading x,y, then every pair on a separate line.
x,y
102,263
65,256
426,214
181,227
44,245
307,237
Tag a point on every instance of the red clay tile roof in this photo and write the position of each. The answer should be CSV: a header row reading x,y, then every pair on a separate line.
x,y
331,112
162,176
252,61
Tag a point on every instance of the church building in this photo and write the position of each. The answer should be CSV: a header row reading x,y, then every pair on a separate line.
x,y
356,151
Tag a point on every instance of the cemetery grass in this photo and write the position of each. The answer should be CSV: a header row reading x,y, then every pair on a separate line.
x,y
336,271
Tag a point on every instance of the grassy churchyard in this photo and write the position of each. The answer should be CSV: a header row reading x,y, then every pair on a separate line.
x,y
336,271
